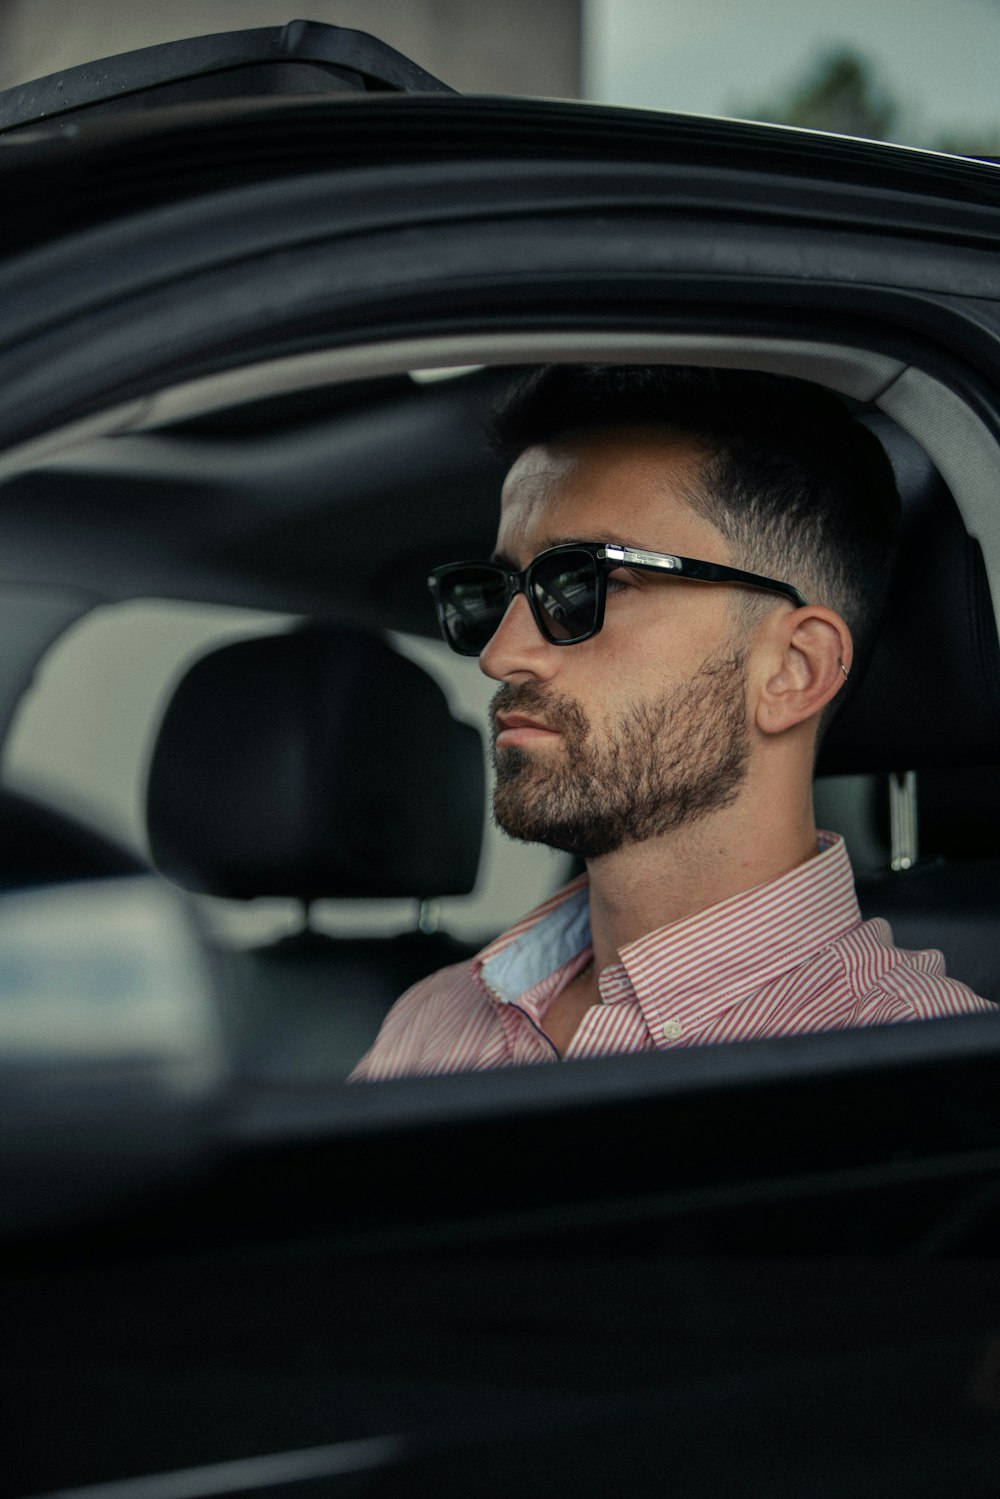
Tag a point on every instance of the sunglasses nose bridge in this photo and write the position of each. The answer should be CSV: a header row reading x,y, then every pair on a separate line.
x,y
517,645
517,582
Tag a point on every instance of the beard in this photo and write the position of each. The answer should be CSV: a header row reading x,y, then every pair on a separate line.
x,y
660,766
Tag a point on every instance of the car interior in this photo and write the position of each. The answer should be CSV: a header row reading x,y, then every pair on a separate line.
x,y
319,764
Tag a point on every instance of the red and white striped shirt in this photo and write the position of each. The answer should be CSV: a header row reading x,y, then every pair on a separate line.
x,y
785,958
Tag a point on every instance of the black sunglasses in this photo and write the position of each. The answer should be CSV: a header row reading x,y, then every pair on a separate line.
x,y
566,588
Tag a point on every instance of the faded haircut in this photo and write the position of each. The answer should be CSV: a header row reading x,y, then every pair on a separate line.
x,y
799,488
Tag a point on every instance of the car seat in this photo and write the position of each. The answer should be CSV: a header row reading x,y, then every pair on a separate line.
x,y
316,764
924,723
42,844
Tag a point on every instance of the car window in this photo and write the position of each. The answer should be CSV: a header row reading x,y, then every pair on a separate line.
x,y
84,732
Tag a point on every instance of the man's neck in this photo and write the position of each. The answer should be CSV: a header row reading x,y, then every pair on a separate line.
x,y
649,885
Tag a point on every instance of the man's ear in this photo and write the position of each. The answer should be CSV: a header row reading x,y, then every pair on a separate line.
x,y
804,660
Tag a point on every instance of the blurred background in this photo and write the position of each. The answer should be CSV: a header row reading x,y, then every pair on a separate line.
x,y
913,71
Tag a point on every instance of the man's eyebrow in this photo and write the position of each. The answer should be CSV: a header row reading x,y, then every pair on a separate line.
x,y
572,541
506,560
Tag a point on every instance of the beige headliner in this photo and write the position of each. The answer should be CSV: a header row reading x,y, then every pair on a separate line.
x,y
955,438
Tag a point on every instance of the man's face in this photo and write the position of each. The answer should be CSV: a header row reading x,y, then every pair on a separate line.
x,y
643,728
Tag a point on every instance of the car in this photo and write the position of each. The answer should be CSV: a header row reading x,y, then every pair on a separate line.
x,y
258,293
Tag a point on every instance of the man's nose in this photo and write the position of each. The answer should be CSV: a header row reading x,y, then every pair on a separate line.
x,y
517,648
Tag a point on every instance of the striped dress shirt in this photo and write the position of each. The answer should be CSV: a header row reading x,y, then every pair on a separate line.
x,y
782,959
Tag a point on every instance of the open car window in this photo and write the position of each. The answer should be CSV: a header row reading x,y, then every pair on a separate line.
x,y
83,735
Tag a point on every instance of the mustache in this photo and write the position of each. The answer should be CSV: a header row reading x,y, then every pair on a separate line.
x,y
550,709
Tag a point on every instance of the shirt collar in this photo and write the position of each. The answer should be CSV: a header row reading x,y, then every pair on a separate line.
x,y
546,940
698,967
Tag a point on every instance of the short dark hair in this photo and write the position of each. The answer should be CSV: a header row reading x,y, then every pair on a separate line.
x,y
799,488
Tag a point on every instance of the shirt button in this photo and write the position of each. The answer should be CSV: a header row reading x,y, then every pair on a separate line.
x,y
671,1029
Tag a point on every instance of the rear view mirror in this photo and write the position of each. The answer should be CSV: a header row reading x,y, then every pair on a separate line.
x,y
111,1057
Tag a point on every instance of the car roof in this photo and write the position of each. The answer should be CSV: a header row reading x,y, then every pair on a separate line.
x,y
818,241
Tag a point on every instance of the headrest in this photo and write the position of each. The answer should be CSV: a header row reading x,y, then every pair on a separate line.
x,y
317,763
931,694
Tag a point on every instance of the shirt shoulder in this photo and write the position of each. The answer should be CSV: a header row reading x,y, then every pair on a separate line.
x,y
891,983
408,1033
452,1021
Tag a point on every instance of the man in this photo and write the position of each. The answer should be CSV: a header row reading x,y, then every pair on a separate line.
x,y
689,568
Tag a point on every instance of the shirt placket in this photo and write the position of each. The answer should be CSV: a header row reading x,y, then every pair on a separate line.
x,y
524,1034
615,1023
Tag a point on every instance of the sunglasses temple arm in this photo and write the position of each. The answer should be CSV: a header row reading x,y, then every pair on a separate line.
x,y
713,572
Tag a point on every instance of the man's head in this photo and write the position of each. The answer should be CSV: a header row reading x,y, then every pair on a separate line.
x,y
657,720
796,486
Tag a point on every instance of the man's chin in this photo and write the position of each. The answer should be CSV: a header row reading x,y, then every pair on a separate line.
x,y
514,814
526,824
553,838
511,760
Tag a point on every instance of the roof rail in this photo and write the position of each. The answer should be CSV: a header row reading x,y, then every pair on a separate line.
x,y
304,57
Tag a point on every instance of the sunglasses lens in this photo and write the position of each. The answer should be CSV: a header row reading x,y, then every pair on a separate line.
x,y
564,589
471,604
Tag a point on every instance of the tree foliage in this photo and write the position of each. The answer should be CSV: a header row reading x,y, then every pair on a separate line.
x,y
843,92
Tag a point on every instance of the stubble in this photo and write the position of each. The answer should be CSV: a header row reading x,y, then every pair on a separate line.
x,y
659,766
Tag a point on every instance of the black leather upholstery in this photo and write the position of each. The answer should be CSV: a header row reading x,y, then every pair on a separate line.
x,y
930,702
318,763
931,695
953,906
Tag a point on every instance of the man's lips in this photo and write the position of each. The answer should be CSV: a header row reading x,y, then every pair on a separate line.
x,y
520,728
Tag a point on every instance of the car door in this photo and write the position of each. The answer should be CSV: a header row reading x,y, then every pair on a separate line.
x,y
460,1282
